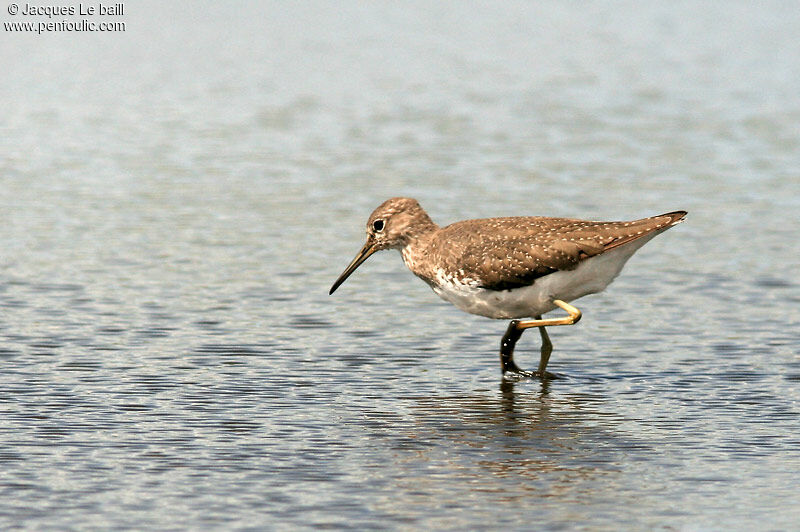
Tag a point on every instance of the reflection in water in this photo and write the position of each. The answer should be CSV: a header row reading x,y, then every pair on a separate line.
x,y
521,444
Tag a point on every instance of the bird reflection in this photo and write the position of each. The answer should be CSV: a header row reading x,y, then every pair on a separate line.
x,y
507,390
546,442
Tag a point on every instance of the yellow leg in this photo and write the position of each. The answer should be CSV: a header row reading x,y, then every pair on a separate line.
x,y
514,331
574,317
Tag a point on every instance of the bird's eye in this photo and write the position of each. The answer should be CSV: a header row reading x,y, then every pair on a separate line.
x,y
377,225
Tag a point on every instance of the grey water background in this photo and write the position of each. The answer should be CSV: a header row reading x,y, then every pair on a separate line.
x,y
178,198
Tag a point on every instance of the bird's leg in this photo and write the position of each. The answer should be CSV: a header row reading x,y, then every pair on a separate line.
x,y
515,329
513,333
574,317
507,348
547,348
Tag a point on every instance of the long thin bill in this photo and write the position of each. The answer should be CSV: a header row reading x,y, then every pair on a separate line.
x,y
363,255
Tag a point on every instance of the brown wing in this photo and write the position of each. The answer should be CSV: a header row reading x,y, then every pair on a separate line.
x,y
506,253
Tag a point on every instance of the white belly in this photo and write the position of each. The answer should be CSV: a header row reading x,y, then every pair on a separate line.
x,y
589,277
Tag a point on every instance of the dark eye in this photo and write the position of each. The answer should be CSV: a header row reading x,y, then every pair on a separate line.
x,y
377,225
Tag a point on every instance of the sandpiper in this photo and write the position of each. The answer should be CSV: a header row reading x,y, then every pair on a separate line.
x,y
509,268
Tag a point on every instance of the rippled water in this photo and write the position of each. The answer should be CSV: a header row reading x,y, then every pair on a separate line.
x,y
177,200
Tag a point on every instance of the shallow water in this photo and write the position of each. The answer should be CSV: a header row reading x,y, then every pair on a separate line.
x,y
177,200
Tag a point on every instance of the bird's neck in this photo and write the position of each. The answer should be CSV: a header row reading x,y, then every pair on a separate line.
x,y
417,249
422,228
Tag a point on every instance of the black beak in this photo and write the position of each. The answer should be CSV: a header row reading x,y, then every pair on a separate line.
x,y
362,255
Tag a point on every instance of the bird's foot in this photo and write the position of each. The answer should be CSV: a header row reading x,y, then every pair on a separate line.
x,y
516,374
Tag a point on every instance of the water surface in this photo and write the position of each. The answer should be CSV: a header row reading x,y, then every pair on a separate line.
x,y
177,200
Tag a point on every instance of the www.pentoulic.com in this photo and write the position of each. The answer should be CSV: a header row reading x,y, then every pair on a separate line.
x,y
66,24
82,25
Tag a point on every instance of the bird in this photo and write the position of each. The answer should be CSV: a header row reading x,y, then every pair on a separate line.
x,y
516,268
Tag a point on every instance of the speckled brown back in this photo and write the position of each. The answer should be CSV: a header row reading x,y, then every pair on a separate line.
x,y
505,253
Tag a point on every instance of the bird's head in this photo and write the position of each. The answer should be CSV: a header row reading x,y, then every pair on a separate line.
x,y
395,223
